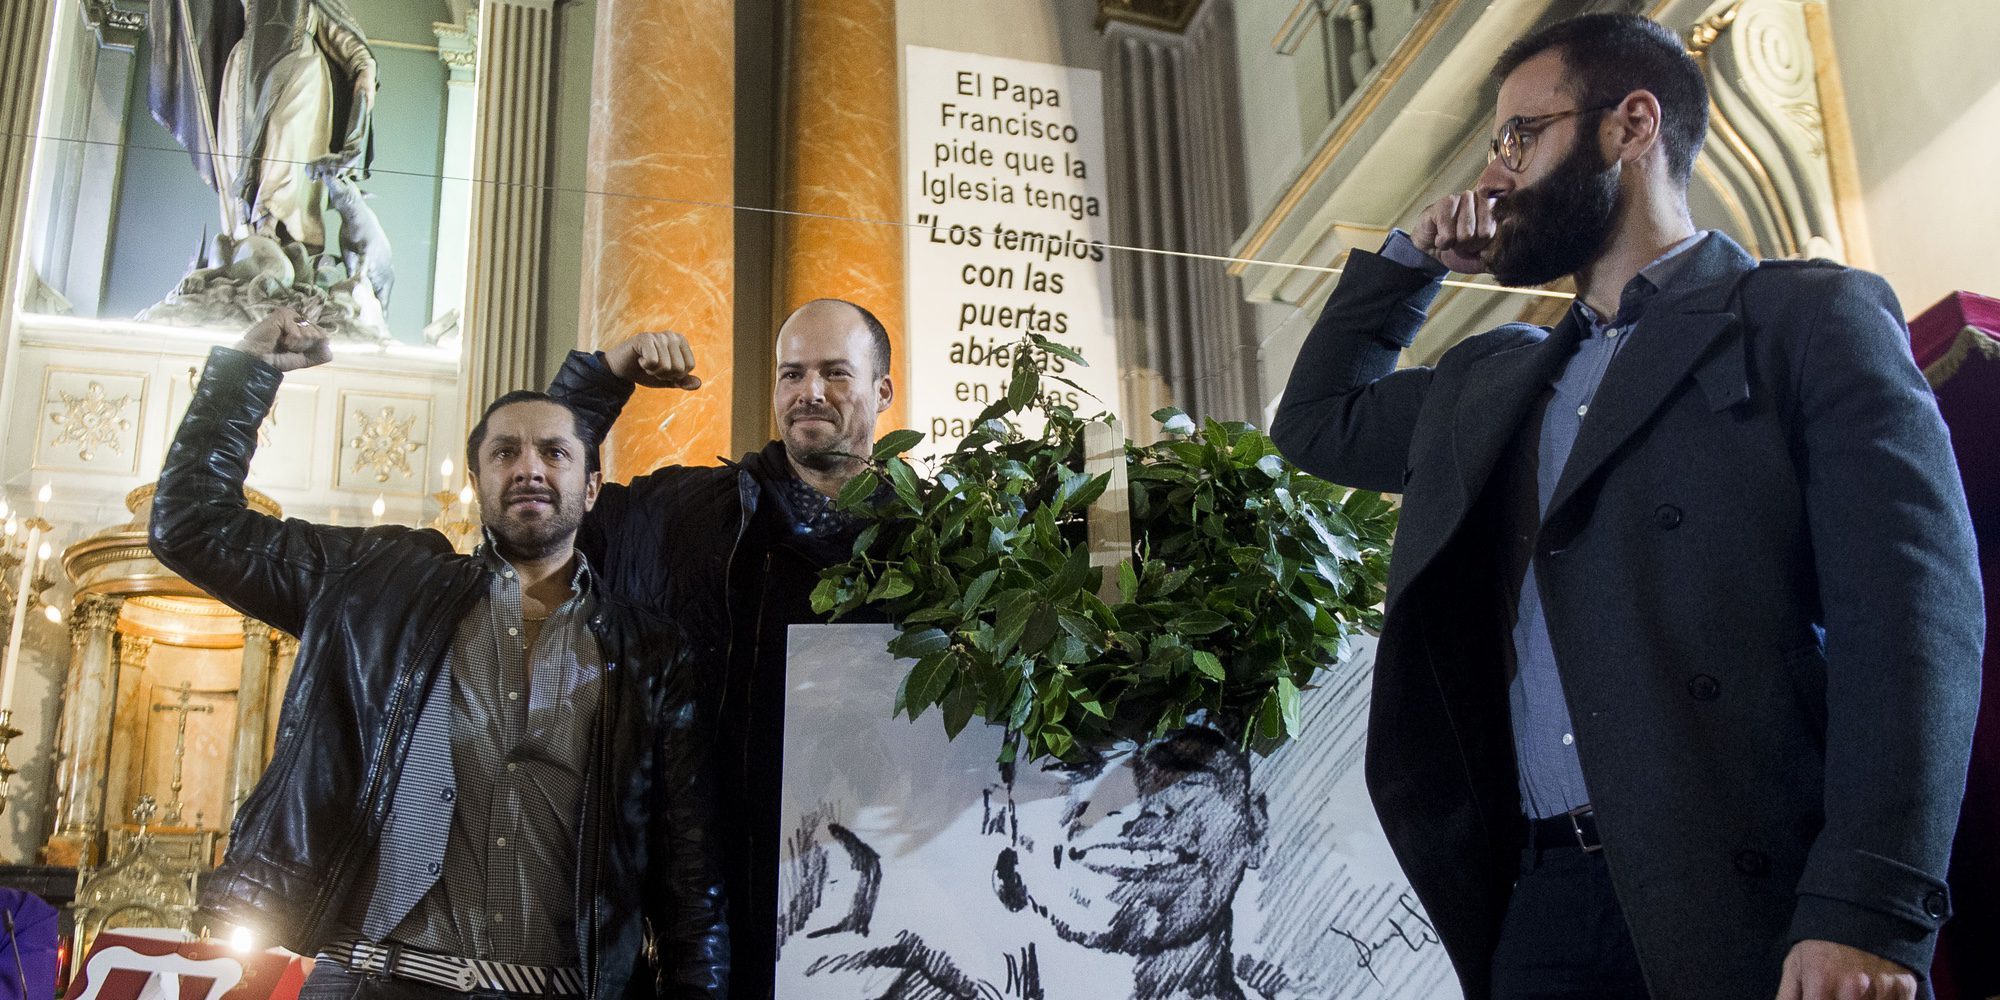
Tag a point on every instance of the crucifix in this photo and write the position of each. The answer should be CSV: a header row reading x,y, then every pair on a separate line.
x,y
181,706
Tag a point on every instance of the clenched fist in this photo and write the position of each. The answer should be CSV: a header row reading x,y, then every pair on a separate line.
x,y
286,342
656,360
1456,230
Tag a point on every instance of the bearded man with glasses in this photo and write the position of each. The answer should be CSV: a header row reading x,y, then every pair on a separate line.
x,y
1675,690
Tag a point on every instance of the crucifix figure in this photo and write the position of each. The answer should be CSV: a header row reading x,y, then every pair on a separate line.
x,y
181,706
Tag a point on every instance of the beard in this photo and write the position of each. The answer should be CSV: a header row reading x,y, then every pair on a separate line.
x,y
1559,225
533,537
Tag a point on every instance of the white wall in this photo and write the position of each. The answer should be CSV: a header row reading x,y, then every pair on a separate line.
x,y
1923,91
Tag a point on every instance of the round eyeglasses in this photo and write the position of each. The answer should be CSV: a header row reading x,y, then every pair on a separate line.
x,y
1516,133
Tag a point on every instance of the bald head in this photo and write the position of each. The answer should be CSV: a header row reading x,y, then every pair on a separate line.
x,y
832,383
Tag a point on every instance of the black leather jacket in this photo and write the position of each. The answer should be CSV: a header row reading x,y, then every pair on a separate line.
x,y
375,610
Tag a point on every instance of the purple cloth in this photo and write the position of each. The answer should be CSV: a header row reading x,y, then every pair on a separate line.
x,y
34,940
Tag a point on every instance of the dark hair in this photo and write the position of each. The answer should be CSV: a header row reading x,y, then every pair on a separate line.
x,y
1607,56
478,435
878,337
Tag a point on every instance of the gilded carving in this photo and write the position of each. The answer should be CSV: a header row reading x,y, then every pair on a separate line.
x,y
384,444
1767,159
91,420
94,613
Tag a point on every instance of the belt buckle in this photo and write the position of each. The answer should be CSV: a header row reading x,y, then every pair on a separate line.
x,y
382,958
1576,827
467,976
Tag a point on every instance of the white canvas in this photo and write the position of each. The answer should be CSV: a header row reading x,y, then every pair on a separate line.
x,y
914,870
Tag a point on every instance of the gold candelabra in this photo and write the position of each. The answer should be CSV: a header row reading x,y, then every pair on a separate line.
x,y
25,552
457,518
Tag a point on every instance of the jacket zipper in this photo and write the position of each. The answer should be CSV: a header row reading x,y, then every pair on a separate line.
x,y
333,884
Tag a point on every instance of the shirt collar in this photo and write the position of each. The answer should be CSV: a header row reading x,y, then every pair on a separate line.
x,y
488,553
1651,279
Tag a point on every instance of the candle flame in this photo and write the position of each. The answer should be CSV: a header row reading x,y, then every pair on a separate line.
x,y
378,507
445,469
54,614
45,494
465,493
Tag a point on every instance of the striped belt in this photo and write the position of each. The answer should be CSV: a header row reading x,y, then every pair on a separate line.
x,y
452,972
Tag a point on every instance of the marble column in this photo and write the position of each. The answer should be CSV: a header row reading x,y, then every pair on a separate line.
x,y
24,45
841,156
504,321
253,692
1171,134
86,731
659,241
284,653
458,50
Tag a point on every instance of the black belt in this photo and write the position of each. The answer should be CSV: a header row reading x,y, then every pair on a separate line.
x,y
1576,828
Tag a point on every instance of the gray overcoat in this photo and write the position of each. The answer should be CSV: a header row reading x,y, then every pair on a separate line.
x,y
1759,577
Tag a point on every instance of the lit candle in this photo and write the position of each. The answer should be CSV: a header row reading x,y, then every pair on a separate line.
x,y
445,469
378,508
465,501
32,553
3,506
42,499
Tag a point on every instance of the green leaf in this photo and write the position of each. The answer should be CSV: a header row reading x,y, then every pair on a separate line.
x,y
981,586
1022,388
897,442
858,490
1011,619
1174,421
927,681
893,584
1208,664
958,706
1128,582
825,595
1288,705
1059,350
920,643
1271,465
904,481
1200,622
1040,630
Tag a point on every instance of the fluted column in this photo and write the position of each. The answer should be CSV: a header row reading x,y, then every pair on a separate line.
x,y
24,44
659,246
1171,135
842,161
88,699
253,692
504,321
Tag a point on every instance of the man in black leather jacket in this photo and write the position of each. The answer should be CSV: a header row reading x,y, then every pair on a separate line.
x,y
425,834
732,552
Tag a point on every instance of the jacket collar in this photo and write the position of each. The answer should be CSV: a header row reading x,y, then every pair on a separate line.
x,y
1681,325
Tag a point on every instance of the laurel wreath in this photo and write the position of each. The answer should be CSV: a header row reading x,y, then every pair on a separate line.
x,y
1247,579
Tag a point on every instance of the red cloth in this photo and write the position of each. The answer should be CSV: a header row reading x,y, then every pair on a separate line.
x,y
1968,965
271,974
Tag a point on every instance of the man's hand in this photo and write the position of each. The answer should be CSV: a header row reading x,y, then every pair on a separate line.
x,y
1456,230
1822,970
655,360
286,342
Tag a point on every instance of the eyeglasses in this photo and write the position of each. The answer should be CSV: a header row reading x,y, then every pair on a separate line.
x,y
1511,149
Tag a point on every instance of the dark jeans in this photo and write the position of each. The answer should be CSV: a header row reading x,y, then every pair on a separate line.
x,y
1564,937
331,981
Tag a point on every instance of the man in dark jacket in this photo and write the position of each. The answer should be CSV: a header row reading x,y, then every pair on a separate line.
x,y
733,552
489,773
1676,682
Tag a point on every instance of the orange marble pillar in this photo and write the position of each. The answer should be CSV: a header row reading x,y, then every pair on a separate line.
x,y
659,236
842,157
